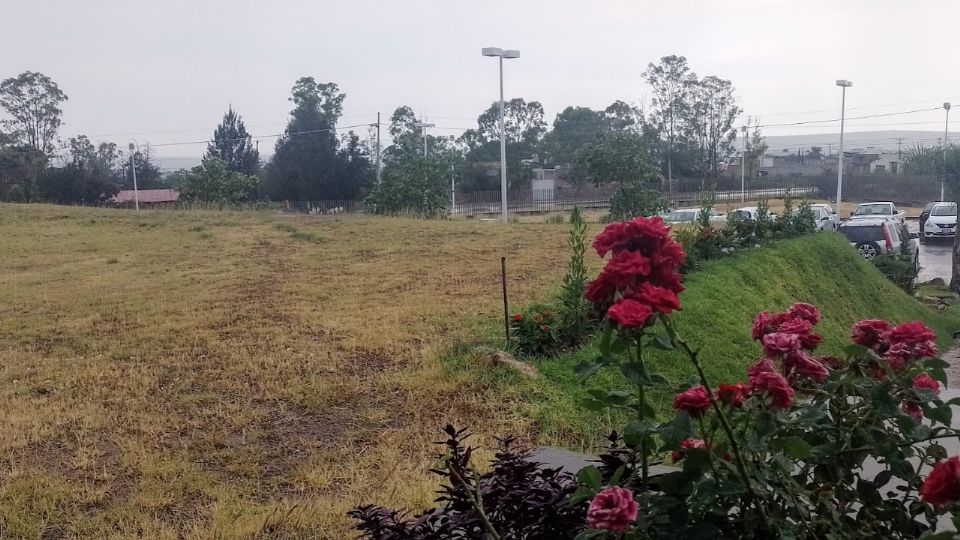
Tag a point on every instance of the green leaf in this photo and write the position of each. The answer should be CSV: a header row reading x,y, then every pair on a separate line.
x,y
674,431
922,431
939,374
942,414
618,397
638,430
619,345
661,342
659,379
590,476
606,338
582,493
882,478
936,451
901,468
636,372
936,363
794,447
617,475
585,369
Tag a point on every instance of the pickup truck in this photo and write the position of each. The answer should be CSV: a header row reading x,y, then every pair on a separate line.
x,y
877,210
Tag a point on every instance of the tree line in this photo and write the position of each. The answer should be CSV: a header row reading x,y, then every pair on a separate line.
x,y
687,130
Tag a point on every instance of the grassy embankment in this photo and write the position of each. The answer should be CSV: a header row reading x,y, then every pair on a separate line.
x,y
719,305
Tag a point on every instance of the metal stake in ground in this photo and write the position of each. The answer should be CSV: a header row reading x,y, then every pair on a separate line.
x,y
506,310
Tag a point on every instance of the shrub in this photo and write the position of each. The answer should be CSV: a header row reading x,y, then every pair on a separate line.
x,y
574,309
900,269
515,499
635,199
534,331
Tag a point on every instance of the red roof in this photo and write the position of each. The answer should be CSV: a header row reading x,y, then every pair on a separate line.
x,y
148,196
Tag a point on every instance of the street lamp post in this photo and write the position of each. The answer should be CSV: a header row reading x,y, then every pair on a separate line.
x,y
423,126
501,54
946,127
743,166
844,84
133,172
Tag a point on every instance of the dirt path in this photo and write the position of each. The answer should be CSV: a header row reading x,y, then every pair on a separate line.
x,y
952,356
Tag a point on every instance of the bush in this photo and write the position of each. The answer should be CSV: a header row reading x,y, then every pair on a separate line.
x,y
575,311
635,199
534,331
900,269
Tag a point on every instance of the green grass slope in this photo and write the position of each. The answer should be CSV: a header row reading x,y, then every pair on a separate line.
x,y
719,305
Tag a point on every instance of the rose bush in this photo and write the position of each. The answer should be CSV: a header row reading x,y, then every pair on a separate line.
x,y
780,454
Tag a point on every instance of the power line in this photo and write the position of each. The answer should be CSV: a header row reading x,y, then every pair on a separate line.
x,y
807,122
261,137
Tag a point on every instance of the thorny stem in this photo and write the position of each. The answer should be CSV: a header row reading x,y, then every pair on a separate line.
x,y
734,446
476,503
644,462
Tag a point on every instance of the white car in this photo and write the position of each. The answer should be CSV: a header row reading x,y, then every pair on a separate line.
x,y
824,217
942,222
877,210
747,212
689,215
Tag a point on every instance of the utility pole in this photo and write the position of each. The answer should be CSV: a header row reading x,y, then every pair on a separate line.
x,y
259,195
843,84
133,172
378,147
946,127
743,166
423,126
453,191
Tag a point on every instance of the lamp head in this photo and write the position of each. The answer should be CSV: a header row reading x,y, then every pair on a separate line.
x,y
946,105
844,83
491,51
511,53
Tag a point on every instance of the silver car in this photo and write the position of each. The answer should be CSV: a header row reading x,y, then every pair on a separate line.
x,y
824,217
873,237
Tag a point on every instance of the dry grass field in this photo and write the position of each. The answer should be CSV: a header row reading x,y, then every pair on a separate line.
x,y
233,375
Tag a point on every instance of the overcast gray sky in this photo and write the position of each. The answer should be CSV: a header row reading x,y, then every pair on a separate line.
x,y
164,71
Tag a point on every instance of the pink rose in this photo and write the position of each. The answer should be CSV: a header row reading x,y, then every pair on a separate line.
x,y
807,312
774,385
779,343
869,333
693,400
925,382
799,364
613,509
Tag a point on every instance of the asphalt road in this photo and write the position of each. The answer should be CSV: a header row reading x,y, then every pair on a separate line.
x,y
935,256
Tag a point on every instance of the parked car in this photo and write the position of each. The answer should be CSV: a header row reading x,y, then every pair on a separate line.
x,y
747,212
879,236
924,214
824,217
942,222
873,210
689,215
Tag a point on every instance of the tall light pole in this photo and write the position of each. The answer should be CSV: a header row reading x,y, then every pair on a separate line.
x,y
946,127
501,54
844,84
423,127
743,166
133,172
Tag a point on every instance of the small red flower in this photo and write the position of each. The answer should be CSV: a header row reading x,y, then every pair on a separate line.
x,y
518,317
688,444
694,401
613,509
807,312
912,409
630,313
774,385
548,314
925,382
869,333
545,328
942,487
799,364
779,343
659,299
732,395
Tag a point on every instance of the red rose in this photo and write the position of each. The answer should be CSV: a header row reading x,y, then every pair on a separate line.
x,y
911,333
898,356
518,317
807,312
671,281
794,325
613,509
924,382
942,487
659,299
763,366
688,444
639,234
545,328
694,401
601,290
774,385
869,333
762,325
799,364
629,313
628,265
779,343
912,409
732,394
810,341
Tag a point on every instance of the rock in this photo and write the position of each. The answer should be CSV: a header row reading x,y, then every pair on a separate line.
x,y
937,282
501,358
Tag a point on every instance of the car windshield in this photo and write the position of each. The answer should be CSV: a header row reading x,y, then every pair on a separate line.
x,y
873,210
870,233
944,210
819,213
685,215
742,214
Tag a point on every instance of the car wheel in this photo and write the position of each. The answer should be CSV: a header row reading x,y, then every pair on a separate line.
x,y
868,250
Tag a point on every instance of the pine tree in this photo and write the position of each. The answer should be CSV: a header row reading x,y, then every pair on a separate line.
x,y
232,144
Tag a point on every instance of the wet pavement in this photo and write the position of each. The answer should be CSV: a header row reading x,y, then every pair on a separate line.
x,y
935,256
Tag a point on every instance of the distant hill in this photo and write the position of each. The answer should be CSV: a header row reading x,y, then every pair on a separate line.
x,y
856,140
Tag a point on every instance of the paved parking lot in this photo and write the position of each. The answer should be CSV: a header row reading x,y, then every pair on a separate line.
x,y
935,256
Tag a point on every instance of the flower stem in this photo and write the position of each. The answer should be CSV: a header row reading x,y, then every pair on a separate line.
x,y
641,394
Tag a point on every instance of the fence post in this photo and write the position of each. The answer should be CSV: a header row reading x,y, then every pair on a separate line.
x,y
506,310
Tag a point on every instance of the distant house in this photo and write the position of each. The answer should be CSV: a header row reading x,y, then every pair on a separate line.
x,y
149,197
